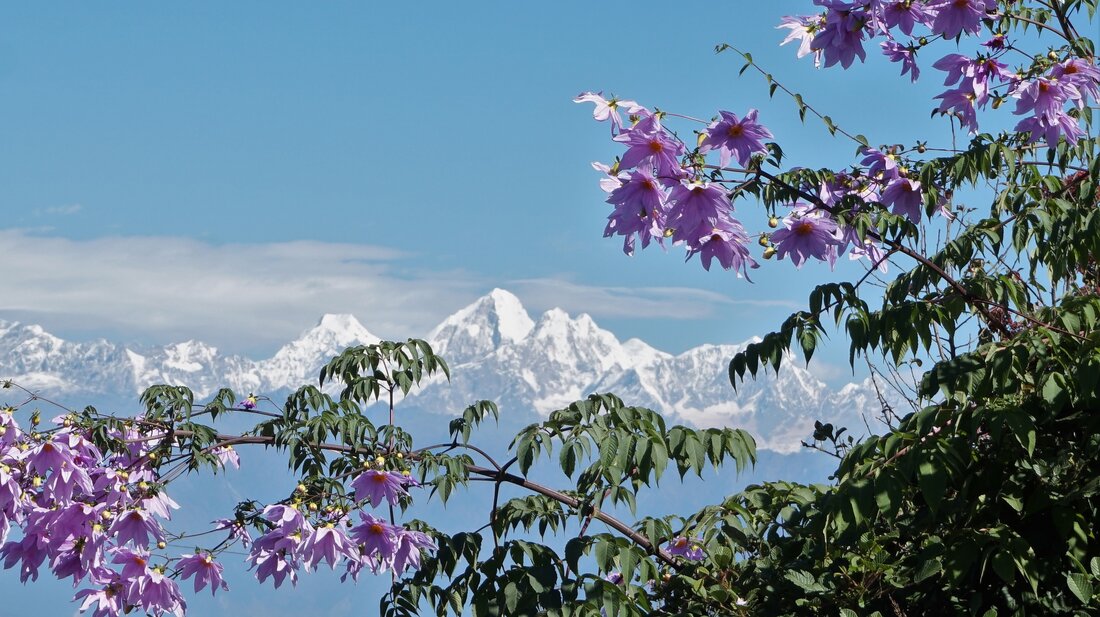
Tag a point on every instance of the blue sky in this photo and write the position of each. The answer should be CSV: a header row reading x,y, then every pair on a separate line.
x,y
231,172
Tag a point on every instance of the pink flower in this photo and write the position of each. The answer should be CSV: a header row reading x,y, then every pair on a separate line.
x,y
227,456
378,539
205,570
327,543
374,485
686,548
609,108
806,236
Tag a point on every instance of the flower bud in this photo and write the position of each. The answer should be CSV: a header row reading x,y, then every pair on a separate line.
x,y
301,488
773,222
312,507
378,460
769,252
162,545
400,456
763,240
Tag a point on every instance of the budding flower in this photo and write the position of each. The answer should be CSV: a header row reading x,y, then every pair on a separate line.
x,y
773,222
379,461
764,240
301,488
162,544
769,252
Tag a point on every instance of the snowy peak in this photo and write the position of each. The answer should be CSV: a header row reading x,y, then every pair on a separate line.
x,y
297,362
496,351
343,326
477,330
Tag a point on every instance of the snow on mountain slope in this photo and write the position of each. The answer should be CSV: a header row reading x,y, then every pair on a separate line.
x,y
495,350
297,363
480,328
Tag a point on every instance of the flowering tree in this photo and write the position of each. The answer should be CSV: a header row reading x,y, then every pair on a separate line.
x,y
981,502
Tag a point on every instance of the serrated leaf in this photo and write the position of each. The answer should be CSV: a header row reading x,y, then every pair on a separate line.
x,y
1081,586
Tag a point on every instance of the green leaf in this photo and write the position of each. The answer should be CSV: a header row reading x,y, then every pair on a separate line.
x,y
928,569
933,482
1081,586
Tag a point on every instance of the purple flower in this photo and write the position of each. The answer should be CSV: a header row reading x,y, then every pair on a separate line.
x,y
730,135
610,181
840,39
609,108
1045,97
205,570
237,530
1051,132
9,428
973,74
649,143
1082,75
802,29
375,485
686,548
695,204
409,545
905,197
880,165
961,103
905,54
996,43
639,210
806,235
108,597
378,538
29,553
725,240
327,543
227,456
903,15
953,17
155,593
274,564
135,526
249,402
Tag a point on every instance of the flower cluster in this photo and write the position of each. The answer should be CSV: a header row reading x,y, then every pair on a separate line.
x,y
659,189
838,35
294,541
97,517
90,516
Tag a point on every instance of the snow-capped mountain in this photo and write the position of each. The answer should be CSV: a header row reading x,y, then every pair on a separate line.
x,y
496,351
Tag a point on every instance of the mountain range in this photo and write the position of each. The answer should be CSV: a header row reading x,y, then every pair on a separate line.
x,y
495,350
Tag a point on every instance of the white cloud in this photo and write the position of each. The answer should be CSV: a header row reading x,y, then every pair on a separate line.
x,y
241,296
251,298
64,210
631,302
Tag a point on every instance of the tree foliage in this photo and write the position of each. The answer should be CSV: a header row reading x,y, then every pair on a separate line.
x,y
980,502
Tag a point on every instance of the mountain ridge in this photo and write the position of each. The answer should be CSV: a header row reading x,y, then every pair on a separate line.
x,y
495,350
